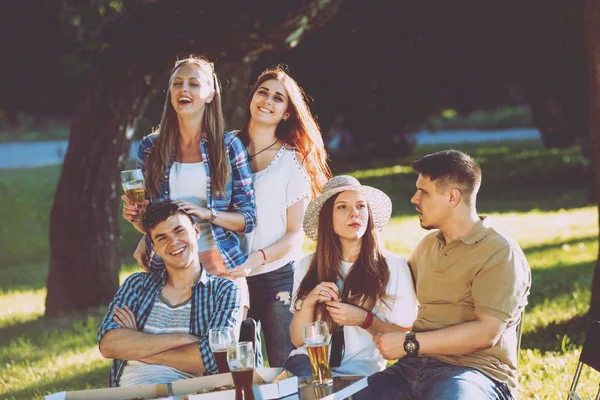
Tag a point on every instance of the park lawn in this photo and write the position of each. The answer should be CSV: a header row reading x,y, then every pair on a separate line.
x,y
537,196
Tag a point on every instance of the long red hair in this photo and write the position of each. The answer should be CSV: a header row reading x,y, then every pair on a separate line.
x,y
299,131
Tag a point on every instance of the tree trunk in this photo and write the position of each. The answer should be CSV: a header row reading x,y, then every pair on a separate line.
x,y
592,23
84,222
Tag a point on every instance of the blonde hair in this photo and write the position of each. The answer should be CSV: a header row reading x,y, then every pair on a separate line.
x,y
167,144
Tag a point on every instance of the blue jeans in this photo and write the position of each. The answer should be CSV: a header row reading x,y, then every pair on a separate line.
x,y
270,296
426,378
299,365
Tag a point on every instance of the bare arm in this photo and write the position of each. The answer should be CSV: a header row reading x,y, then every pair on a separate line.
x,y
466,338
230,220
185,358
293,238
130,344
351,315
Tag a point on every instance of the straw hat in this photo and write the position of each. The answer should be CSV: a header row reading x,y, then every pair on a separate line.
x,y
379,203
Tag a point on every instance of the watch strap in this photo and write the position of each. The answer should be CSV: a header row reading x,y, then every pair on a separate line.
x,y
214,215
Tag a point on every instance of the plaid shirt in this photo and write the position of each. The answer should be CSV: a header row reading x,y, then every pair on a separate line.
x,y
239,196
215,302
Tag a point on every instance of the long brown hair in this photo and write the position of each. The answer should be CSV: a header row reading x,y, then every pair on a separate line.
x,y
299,131
367,279
167,144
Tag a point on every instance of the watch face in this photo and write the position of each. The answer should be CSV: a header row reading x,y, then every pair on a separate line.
x,y
410,347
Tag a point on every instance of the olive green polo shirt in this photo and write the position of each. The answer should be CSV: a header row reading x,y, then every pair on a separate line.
x,y
482,272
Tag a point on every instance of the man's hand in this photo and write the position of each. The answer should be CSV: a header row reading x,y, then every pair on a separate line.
x,y
125,318
391,345
346,314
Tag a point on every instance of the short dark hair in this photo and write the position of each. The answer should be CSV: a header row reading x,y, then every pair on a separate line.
x,y
451,166
159,212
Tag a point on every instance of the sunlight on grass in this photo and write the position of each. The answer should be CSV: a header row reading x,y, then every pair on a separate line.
x,y
548,376
385,171
21,306
46,368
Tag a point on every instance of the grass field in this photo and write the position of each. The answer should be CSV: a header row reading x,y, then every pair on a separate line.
x,y
536,195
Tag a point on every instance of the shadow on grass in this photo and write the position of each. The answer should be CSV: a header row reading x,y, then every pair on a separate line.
x,y
574,241
550,338
33,340
23,277
95,378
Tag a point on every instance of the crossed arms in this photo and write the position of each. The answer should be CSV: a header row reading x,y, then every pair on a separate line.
x,y
177,350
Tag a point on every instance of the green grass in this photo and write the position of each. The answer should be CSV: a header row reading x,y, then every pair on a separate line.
x,y
29,129
500,118
537,196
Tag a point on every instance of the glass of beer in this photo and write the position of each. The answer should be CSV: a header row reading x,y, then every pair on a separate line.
x,y
316,339
219,339
133,186
240,357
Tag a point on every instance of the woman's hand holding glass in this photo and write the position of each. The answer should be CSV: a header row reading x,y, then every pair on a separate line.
x,y
133,213
134,188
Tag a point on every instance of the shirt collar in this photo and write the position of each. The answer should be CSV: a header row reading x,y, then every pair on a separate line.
x,y
203,279
203,276
479,231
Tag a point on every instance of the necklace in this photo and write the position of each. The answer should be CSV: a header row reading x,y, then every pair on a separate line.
x,y
251,157
183,288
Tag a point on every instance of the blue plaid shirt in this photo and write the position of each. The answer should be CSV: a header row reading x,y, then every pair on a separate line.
x,y
215,302
239,196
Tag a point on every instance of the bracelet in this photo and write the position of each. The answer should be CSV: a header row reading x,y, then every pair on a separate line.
x,y
368,321
264,256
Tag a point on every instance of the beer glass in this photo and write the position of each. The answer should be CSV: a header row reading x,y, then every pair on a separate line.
x,y
133,186
316,339
240,357
219,339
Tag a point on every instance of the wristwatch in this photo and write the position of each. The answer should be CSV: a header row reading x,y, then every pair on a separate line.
x,y
411,345
214,215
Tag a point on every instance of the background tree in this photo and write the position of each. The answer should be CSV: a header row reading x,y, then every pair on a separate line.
x,y
592,25
132,49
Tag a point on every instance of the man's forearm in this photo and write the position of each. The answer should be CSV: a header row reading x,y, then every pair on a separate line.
x,y
185,358
129,344
465,338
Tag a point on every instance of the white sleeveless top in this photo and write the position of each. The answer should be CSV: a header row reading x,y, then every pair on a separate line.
x,y
283,183
187,181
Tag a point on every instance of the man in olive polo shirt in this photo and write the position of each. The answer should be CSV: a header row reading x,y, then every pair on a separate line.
x,y
472,284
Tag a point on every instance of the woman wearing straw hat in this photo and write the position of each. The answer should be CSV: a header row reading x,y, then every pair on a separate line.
x,y
350,281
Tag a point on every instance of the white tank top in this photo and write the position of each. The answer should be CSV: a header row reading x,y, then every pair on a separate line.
x,y
187,181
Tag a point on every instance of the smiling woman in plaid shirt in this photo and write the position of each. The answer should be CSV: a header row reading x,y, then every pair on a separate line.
x,y
156,328
191,161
